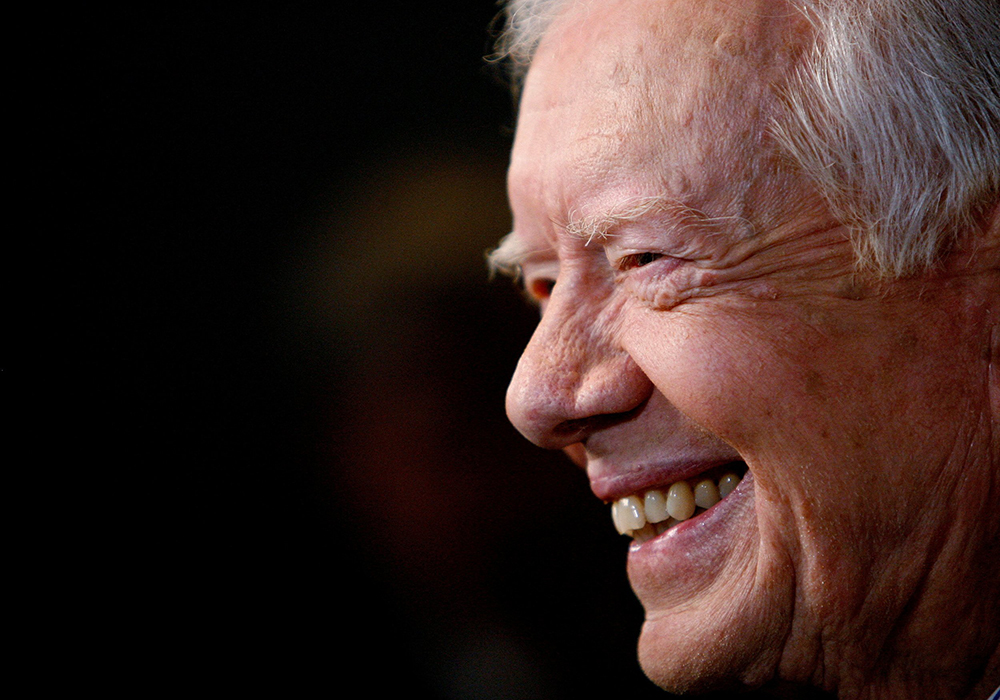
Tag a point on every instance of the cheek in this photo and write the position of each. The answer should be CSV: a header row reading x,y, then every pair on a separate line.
x,y
730,376
762,386
824,419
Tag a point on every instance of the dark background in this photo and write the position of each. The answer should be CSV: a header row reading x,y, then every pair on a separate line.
x,y
282,209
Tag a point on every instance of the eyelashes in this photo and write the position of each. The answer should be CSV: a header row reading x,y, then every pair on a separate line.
x,y
634,260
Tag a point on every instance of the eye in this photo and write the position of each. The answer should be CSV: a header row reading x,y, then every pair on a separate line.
x,y
634,260
540,288
538,278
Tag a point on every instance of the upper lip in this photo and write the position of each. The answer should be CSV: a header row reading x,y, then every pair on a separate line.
x,y
610,482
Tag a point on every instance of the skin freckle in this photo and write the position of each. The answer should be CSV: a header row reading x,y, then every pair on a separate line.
x,y
731,44
815,386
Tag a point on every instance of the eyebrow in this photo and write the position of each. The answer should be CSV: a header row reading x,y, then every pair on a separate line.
x,y
602,226
511,253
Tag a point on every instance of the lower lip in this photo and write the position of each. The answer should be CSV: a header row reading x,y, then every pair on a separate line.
x,y
692,554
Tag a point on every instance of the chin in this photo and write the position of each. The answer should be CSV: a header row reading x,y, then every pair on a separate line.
x,y
697,652
718,604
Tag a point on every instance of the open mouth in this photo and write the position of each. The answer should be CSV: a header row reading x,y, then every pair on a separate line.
x,y
645,515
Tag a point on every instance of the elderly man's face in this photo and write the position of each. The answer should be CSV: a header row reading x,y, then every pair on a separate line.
x,y
705,318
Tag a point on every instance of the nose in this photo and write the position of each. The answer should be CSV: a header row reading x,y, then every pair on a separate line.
x,y
573,378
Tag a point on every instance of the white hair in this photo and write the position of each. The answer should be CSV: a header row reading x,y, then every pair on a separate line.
x,y
526,24
896,117
894,114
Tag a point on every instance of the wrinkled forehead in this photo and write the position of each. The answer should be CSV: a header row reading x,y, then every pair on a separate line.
x,y
621,42
674,87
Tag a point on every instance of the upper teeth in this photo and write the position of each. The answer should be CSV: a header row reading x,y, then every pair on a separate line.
x,y
651,513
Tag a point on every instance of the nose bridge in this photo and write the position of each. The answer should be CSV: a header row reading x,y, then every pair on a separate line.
x,y
572,375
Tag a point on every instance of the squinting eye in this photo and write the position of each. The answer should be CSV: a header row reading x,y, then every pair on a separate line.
x,y
630,262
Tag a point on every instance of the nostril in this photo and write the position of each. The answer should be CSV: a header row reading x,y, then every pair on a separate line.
x,y
572,428
580,428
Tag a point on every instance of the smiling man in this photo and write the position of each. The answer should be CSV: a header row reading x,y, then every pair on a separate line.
x,y
765,240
